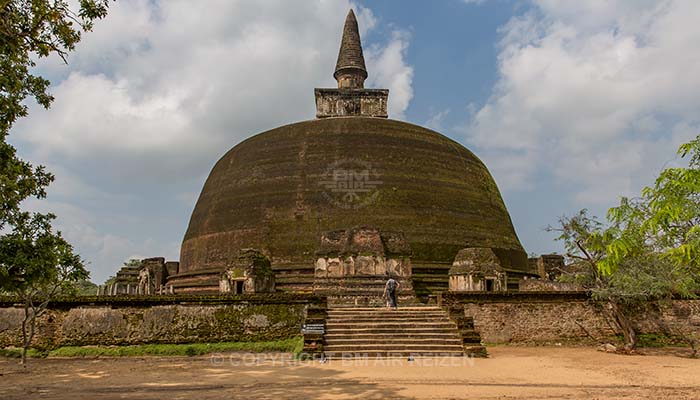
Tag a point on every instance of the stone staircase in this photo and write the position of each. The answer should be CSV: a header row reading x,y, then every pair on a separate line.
x,y
362,291
409,331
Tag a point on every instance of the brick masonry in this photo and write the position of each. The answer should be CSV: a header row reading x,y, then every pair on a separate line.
x,y
137,321
516,318
549,318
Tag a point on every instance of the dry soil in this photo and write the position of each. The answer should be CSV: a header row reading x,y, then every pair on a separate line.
x,y
510,373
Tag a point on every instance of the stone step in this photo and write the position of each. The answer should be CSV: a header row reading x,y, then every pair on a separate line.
x,y
376,293
359,290
386,311
387,331
358,283
391,324
294,277
355,342
433,348
360,278
391,318
388,314
397,335
387,319
398,311
381,332
366,285
431,269
364,309
382,355
431,278
337,301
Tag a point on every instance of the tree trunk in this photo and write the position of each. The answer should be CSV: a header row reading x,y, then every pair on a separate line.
x,y
630,336
28,323
25,335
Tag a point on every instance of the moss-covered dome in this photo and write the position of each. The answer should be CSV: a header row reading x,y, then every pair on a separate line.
x,y
278,191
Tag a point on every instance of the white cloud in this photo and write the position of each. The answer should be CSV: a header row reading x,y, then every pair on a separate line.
x,y
588,94
388,69
161,89
98,113
180,83
437,119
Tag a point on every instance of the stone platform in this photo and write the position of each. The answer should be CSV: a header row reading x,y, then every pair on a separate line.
x,y
417,331
365,291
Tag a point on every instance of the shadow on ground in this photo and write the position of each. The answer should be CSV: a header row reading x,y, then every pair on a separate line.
x,y
197,377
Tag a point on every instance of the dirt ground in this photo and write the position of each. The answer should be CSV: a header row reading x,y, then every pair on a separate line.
x,y
510,373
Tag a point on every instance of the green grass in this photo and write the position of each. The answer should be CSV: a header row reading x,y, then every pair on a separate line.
x,y
15,352
654,340
293,345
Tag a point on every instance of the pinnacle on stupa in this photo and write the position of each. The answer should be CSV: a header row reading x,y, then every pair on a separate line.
x,y
350,70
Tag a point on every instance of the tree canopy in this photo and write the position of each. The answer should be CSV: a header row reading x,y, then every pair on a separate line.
x,y
36,263
31,29
649,248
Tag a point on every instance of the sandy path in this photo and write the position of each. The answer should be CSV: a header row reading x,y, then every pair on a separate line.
x,y
510,373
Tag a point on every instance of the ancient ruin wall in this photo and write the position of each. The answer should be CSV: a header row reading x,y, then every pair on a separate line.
x,y
125,322
550,318
516,318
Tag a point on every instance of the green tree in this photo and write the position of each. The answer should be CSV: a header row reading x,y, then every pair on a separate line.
x,y
649,248
31,29
35,262
85,287
664,219
37,265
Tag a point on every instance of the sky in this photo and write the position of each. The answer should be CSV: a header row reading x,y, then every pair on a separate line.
x,y
571,104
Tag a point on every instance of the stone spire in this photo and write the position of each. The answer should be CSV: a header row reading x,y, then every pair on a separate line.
x,y
350,71
351,99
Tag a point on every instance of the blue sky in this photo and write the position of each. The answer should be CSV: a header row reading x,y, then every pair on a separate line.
x,y
569,104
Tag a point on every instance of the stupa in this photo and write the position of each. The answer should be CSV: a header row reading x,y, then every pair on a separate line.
x,y
340,202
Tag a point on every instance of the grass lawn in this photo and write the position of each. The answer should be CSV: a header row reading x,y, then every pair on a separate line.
x,y
292,345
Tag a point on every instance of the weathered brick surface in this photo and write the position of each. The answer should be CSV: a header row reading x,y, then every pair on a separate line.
x,y
185,322
540,322
543,285
567,318
527,318
267,193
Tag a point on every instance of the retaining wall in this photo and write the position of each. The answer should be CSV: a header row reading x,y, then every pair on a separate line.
x,y
161,319
511,317
565,317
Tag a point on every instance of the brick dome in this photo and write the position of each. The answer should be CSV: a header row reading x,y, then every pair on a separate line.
x,y
280,190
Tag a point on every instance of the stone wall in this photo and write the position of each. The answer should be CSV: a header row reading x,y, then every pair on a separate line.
x,y
545,285
527,318
147,276
564,317
162,319
547,266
